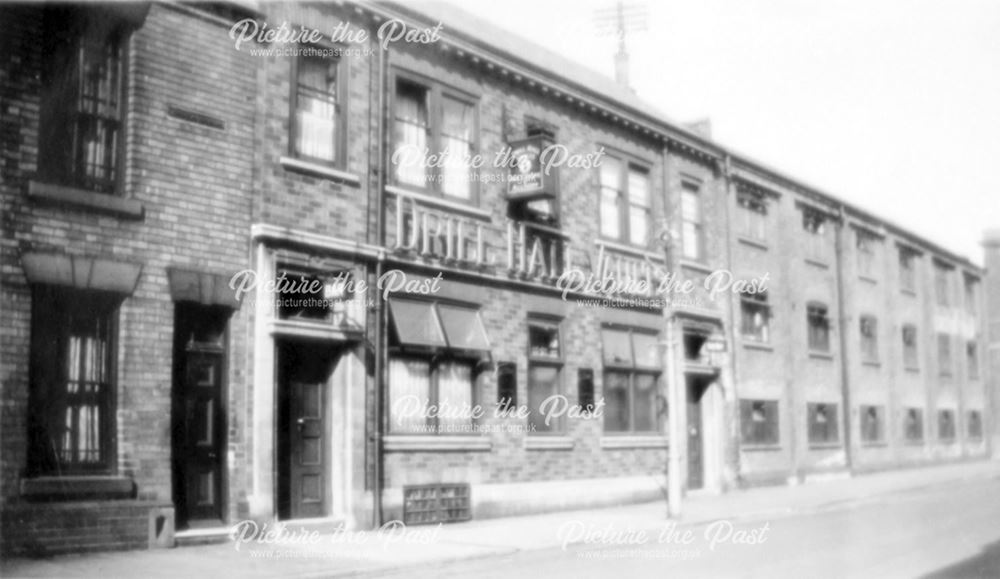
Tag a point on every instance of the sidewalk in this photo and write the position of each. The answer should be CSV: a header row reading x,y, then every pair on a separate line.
x,y
366,553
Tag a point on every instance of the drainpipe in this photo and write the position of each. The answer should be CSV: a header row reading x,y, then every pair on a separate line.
x,y
675,436
380,315
845,386
730,196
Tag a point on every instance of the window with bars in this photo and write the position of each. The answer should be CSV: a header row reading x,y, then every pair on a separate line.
x,y
869,339
71,422
317,127
873,424
752,220
755,317
759,422
430,119
913,425
819,327
625,206
81,109
910,359
692,228
631,378
822,418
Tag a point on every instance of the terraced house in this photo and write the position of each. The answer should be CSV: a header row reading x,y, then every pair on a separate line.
x,y
250,282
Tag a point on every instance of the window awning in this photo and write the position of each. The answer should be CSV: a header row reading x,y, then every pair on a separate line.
x,y
428,324
208,289
81,272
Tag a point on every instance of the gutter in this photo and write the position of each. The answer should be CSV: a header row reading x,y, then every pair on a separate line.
x,y
845,383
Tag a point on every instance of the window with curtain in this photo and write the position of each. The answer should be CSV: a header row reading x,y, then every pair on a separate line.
x,y
71,422
81,108
432,119
755,317
317,108
691,221
822,419
447,384
759,422
631,377
819,327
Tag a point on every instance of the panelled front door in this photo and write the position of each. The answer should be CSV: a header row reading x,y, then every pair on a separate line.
x,y
695,447
303,464
198,416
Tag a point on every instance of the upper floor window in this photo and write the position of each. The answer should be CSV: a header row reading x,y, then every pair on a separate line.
x,y
944,354
81,109
869,339
692,234
910,360
866,245
972,359
317,127
626,201
752,220
814,224
942,287
755,314
434,134
907,270
971,295
819,327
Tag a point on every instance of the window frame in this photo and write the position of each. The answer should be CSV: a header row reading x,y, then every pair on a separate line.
x,y
753,211
978,422
52,311
60,111
908,270
631,372
754,300
865,426
696,189
340,118
972,362
436,92
946,358
949,434
831,428
558,426
942,285
623,200
766,433
814,312
911,361
869,340
867,254
434,362
814,224
913,432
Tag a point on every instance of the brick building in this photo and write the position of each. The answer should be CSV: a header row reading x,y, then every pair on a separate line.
x,y
205,319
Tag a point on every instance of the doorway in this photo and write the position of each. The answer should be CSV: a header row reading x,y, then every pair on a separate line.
x,y
198,415
303,463
696,386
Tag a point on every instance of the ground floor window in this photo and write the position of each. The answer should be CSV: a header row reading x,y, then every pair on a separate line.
x,y
946,425
415,383
759,422
823,423
631,379
72,399
913,425
872,423
975,425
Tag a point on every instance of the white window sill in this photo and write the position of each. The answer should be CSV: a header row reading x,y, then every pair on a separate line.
x,y
634,441
752,242
83,199
317,170
432,443
548,443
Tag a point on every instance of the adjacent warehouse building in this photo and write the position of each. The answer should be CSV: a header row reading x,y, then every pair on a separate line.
x,y
230,272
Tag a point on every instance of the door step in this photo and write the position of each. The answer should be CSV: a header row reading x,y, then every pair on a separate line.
x,y
209,536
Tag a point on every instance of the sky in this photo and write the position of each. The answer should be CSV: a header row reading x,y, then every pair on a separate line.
x,y
892,105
